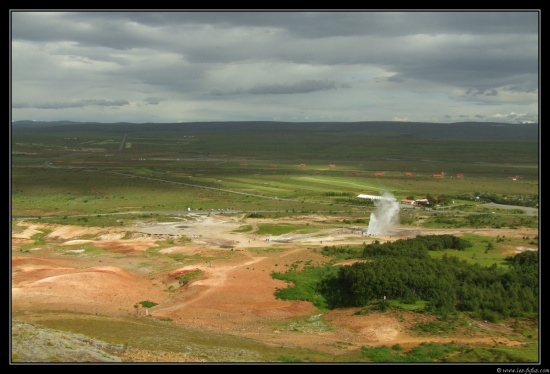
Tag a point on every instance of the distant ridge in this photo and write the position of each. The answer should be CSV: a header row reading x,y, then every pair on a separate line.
x,y
457,130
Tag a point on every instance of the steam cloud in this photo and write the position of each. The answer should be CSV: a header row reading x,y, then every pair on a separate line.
x,y
385,219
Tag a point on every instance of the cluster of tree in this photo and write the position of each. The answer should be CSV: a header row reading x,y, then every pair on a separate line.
x,y
417,247
436,199
332,193
447,284
353,201
520,200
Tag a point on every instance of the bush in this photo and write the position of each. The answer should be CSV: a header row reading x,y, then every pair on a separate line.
x,y
147,304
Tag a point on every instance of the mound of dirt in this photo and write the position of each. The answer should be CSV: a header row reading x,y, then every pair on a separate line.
x,y
107,289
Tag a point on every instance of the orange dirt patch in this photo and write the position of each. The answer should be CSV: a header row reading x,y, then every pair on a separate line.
x,y
234,294
125,246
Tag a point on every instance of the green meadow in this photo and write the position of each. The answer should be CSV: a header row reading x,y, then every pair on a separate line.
x,y
79,169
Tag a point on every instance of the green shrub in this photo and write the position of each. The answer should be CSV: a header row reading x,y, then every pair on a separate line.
x,y
147,304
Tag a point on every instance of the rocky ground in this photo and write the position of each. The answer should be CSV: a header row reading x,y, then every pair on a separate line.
x,y
33,343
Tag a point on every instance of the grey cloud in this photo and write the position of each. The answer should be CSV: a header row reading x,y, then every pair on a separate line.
x,y
395,79
518,117
72,104
476,92
472,70
217,92
104,29
345,23
490,55
524,86
300,87
376,39
304,86
152,100
321,24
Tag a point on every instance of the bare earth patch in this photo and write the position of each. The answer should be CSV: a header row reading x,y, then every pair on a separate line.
x,y
234,293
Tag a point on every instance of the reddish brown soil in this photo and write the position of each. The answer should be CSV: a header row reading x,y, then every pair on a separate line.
x,y
234,294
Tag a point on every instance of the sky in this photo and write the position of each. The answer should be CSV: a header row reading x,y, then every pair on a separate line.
x,y
290,66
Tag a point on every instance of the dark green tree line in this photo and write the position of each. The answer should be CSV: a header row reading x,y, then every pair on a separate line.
x,y
403,270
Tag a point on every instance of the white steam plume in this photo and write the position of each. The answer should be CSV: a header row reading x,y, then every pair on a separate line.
x,y
385,219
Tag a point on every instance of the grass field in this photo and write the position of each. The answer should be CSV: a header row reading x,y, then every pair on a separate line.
x,y
87,178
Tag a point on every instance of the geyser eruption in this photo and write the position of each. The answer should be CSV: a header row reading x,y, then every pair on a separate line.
x,y
385,219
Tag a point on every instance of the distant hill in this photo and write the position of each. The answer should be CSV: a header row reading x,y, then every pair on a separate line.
x,y
457,130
